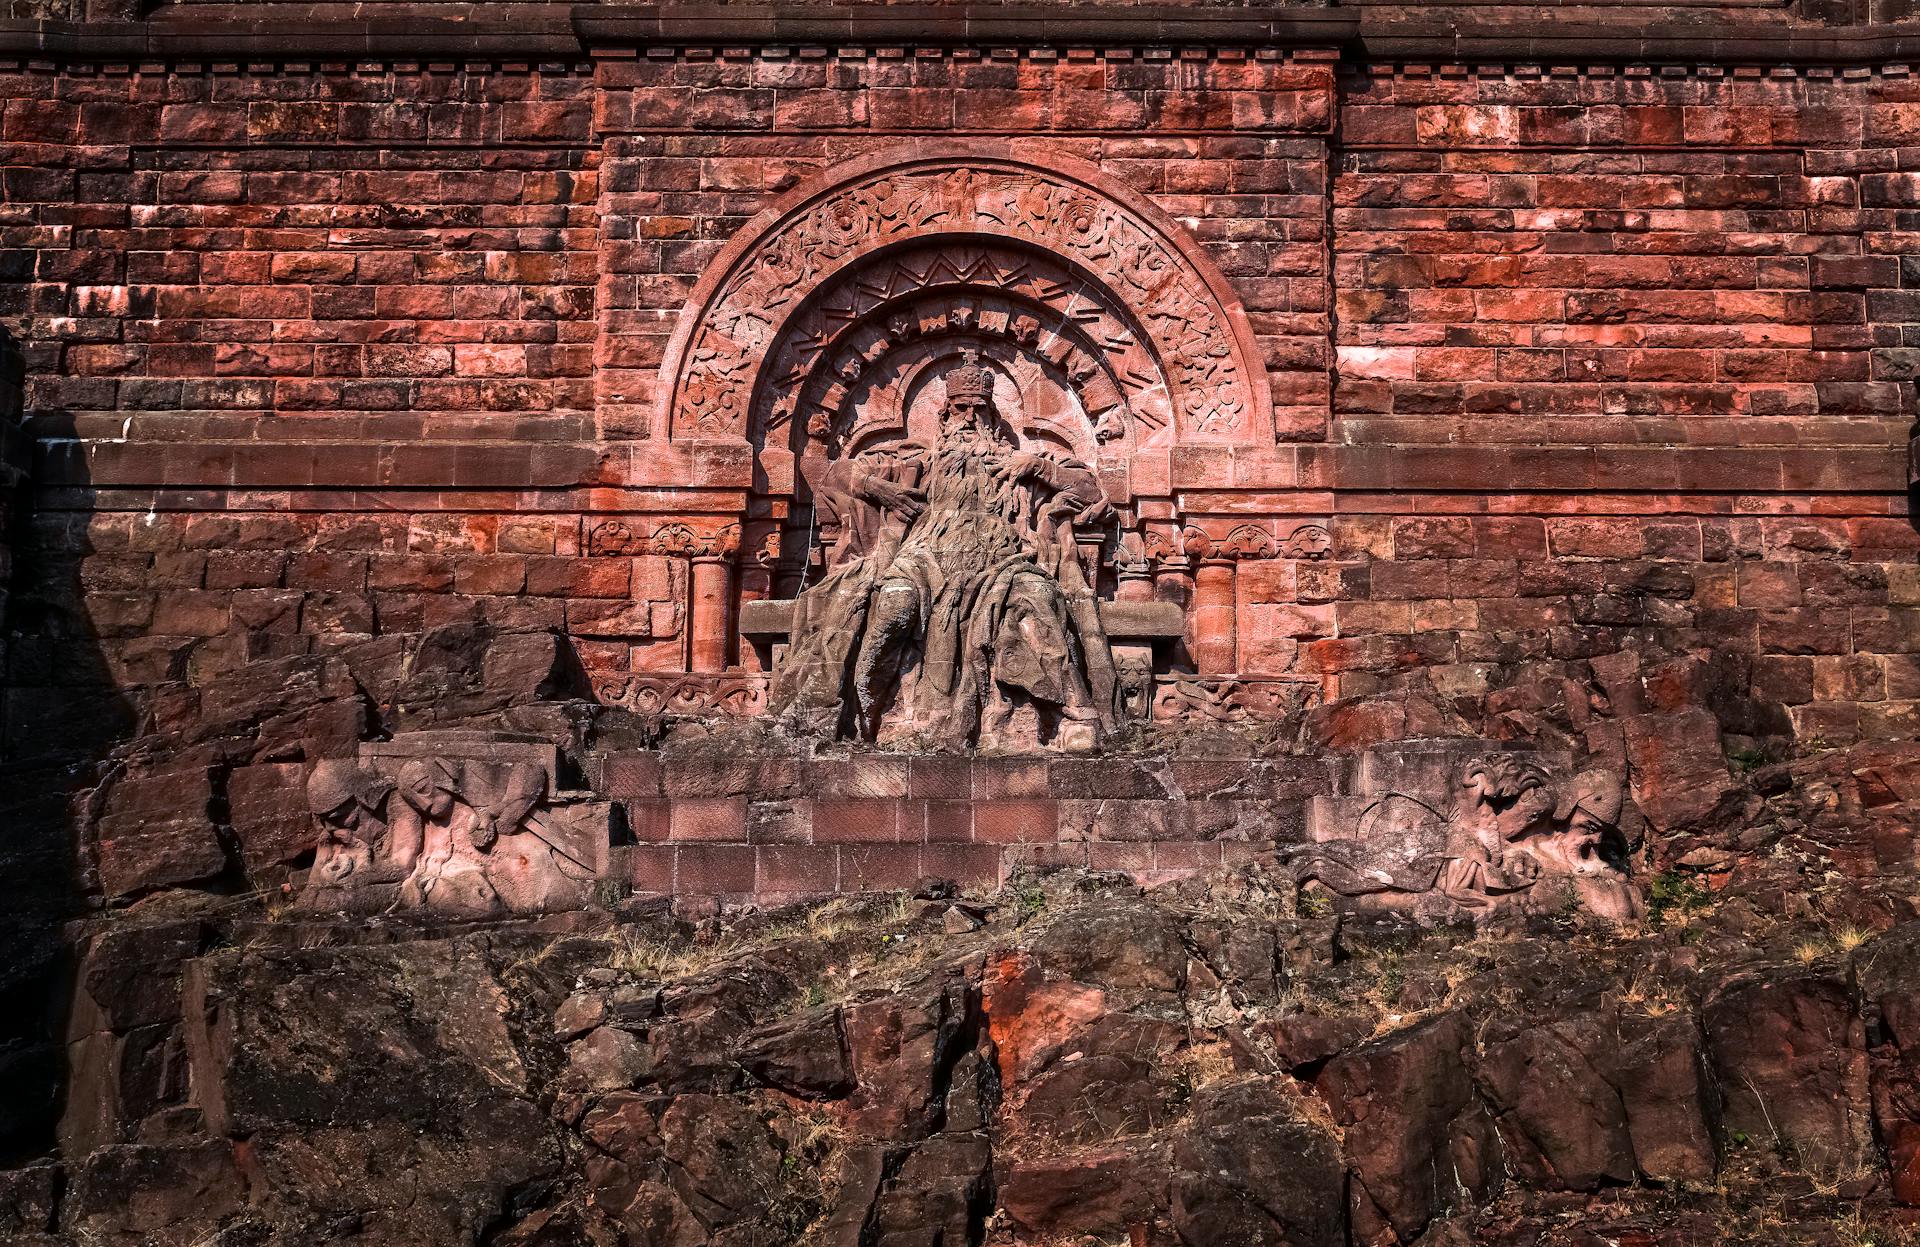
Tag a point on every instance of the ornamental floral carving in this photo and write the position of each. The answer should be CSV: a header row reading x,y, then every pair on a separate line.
x,y
1110,238
700,695
674,540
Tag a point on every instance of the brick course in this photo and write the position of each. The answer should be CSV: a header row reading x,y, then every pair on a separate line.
x,y
1558,356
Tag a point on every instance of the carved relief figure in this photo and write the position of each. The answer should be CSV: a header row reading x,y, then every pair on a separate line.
x,y
1511,839
351,850
957,609
462,837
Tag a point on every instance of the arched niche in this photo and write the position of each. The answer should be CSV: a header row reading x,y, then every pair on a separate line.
x,y
1081,370
823,327
966,219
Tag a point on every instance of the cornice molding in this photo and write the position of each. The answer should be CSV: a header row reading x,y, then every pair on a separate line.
x,y
278,31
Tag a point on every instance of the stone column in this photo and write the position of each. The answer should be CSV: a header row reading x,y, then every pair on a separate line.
x,y
1173,581
1135,582
1211,620
710,590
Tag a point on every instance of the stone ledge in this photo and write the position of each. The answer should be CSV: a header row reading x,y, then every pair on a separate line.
x,y
770,619
1453,33
1207,474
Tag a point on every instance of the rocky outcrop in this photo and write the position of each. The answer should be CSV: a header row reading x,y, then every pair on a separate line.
x,y
1198,1065
1239,1055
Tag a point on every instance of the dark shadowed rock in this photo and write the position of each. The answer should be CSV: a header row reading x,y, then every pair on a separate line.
x,y
29,1198
1101,1191
1244,956
414,1032
1789,1051
804,1056
286,708
344,1067
1562,1120
939,1195
1303,1040
139,1195
722,1160
692,1027
1249,1167
125,1056
1889,974
1416,1137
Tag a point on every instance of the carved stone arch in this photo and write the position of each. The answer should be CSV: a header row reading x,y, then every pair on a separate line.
x,y
1009,302
806,251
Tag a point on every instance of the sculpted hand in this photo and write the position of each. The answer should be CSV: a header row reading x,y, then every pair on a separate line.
x,y
1018,466
902,500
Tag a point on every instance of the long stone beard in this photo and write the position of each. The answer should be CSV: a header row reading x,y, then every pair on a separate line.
x,y
963,473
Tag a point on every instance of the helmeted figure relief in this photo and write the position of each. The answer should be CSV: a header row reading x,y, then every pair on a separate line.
x,y
350,856
1512,838
957,611
462,837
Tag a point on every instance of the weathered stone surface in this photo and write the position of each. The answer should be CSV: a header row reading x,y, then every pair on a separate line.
x,y
1658,1066
1679,773
1789,1050
1415,1134
146,1195
805,1056
1116,945
464,670
156,830
938,1195
1252,1167
267,808
344,1067
1097,1191
1890,987
429,1034
1562,1120
900,1049
29,1199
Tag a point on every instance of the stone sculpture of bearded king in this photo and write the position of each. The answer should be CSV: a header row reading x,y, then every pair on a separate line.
x,y
957,612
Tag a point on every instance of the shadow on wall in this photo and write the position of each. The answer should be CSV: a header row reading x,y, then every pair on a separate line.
x,y
62,716
1913,473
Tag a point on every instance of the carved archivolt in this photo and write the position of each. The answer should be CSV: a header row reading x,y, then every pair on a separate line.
x,y
1091,276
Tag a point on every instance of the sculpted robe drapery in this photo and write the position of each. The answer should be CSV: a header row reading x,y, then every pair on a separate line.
x,y
1001,608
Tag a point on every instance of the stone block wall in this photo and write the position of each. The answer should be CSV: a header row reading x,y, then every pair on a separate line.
x,y
770,826
1661,305
1560,358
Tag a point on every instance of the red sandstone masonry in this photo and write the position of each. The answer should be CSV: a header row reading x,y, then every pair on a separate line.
x,y
366,349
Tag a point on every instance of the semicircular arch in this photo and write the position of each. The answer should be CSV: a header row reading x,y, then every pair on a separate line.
x,y
808,248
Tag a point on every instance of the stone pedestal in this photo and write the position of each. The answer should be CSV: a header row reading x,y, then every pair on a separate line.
x,y
779,827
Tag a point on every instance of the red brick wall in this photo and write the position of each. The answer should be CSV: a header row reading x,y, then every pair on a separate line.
x,y
1672,297
1562,358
